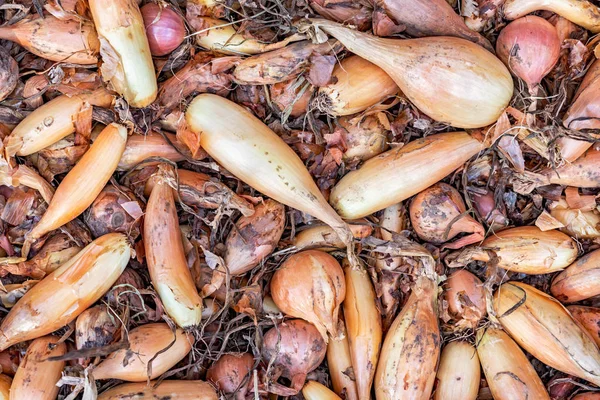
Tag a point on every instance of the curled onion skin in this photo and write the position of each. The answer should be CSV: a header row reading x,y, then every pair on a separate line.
x,y
580,224
458,374
229,372
589,318
580,12
310,285
584,111
579,281
165,29
530,47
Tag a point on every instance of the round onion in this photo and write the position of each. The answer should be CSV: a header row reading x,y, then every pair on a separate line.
x,y
530,47
229,372
466,298
164,28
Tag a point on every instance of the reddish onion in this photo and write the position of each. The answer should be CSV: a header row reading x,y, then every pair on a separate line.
x,y
229,372
530,47
466,298
296,348
164,28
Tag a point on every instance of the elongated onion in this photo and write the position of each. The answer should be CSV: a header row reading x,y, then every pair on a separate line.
x,y
310,285
142,147
543,327
401,173
64,294
508,371
458,374
581,12
579,281
584,111
313,390
180,390
435,72
146,342
339,362
126,59
589,318
5,383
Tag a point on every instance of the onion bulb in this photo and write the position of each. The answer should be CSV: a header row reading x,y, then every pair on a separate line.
x,y
180,390
458,374
584,111
339,363
116,209
466,298
141,147
438,214
95,327
587,396
364,136
411,349
290,97
589,318
435,73
5,383
322,237
310,285
313,390
544,328
578,223
295,348
230,372
165,29
507,369
580,12
530,47
579,281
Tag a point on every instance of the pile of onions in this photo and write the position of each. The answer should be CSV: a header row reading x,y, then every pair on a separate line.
x,y
310,285
465,295
230,372
165,28
530,47
580,281
458,374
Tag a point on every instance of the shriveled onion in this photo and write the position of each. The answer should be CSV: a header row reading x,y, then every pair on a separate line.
x,y
579,281
310,285
581,12
229,373
458,374
466,298
165,29
589,318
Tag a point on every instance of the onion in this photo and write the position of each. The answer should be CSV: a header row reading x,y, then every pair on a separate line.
x,y
485,204
530,47
56,251
544,328
9,73
466,298
95,327
180,390
153,144
580,281
313,390
364,136
114,210
587,396
253,238
324,238
458,374
9,361
581,12
146,342
230,372
435,73
165,28
71,41
507,369
438,214
37,377
589,318
126,60
357,85
577,223
363,324
401,173
339,363
357,13
584,111
295,348
5,383
310,285
411,349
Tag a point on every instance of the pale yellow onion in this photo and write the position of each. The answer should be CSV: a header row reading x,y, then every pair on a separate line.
x,y
356,85
339,362
580,12
126,59
450,79
64,294
313,390
37,377
579,281
509,373
175,390
145,342
411,349
401,173
85,181
324,238
458,374
5,382
577,223
543,327
363,326
142,147
255,154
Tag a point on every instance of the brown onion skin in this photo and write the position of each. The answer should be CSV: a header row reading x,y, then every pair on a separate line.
x,y
9,73
579,281
164,34
106,214
584,112
589,318
229,371
284,96
530,47
463,284
587,396
9,361
297,348
357,13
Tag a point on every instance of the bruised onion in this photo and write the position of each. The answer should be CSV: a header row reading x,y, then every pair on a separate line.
x,y
95,327
530,47
364,136
164,28
579,281
589,318
466,298
311,285
116,209
295,348
230,372
438,214
459,372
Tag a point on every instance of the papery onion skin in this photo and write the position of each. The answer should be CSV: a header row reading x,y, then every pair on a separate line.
x,y
401,173
466,298
458,374
507,369
296,347
289,98
9,73
584,111
364,136
578,223
357,13
579,281
431,71
589,318
543,327
168,389
572,149
310,285
581,12
165,29
229,372
530,47
339,362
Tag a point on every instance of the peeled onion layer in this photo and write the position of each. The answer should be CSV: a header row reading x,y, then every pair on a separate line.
x,y
180,390
579,281
452,80
580,12
580,224
400,173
